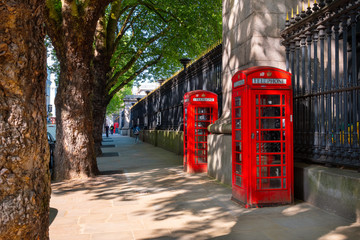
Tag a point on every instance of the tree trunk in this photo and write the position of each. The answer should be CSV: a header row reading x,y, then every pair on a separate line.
x,y
100,101
72,30
74,152
99,112
24,158
101,71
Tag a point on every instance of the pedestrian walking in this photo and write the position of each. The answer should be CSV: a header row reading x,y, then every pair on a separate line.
x,y
136,132
112,129
107,130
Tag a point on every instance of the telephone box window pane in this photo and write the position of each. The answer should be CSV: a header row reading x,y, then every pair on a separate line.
x,y
200,145
270,99
238,158
284,183
200,153
238,169
270,147
257,123
283,135
283,123
238,135
284,147
238,113
270,135
237,101
283,112
238,181
270,124
238,124
270,159
284,159
275,171
257,112
200,139
200,124
283,99
284,171
270,112
238,146
203,110
271,171
200,131
257,100
271,183
203,117
201,159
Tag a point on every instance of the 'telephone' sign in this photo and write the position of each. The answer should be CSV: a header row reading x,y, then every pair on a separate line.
x,y
269,81
203,99
239,83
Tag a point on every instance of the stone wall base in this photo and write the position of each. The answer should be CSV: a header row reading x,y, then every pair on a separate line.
x,y
331,189
219,157
166,139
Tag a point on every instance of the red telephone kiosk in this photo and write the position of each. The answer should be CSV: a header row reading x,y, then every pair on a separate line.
x,y
200,110
262,137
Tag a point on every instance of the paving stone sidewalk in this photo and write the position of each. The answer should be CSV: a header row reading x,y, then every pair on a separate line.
x,y
144,194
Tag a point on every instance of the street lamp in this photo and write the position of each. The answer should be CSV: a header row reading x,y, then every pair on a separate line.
x,y
185,61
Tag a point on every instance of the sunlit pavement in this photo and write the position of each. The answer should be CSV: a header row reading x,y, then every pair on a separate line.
x,y
144,194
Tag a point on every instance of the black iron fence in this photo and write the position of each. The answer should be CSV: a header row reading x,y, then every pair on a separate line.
x,y
322,52
163,108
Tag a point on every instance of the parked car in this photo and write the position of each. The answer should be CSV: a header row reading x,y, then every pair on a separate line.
x,y
51,141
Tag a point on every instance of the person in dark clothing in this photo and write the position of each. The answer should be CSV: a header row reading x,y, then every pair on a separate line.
x,y
107,130
136,132
112,129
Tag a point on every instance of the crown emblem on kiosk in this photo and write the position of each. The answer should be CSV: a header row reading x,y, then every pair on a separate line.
x,y
269,74
203,95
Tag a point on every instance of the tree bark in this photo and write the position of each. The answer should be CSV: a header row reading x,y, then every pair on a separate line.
x,y
101,71
99,103
24,150
74,152
99,110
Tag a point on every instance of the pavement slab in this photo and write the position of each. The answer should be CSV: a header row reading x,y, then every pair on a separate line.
x,y
143,194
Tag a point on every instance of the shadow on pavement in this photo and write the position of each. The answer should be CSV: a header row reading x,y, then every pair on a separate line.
x,y
165,203
52,215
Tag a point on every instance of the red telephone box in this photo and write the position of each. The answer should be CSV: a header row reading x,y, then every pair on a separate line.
x,y
200,110
262,137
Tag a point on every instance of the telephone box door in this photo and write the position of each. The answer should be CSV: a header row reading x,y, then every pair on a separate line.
x,y
271,154
200,110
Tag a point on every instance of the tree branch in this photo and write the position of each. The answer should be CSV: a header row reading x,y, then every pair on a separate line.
x,y
53,24
93,10
115,13
132,61
133,76
123,29
158,11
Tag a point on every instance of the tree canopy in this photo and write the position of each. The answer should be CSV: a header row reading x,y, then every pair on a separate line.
x,y
147,38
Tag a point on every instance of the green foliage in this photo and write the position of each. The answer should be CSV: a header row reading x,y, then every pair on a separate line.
x,y
182,28
117,102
